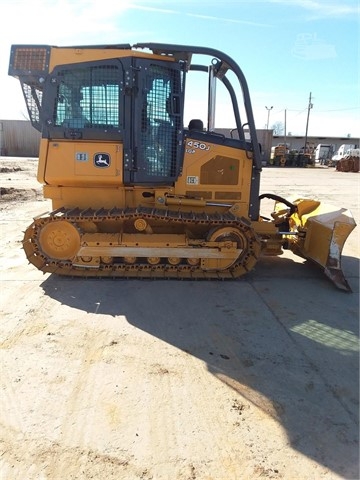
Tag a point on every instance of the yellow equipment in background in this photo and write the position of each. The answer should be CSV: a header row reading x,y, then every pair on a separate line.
x,y
278,155
135,192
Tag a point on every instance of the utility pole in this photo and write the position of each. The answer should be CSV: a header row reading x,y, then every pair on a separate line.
x,y
268,116
310,106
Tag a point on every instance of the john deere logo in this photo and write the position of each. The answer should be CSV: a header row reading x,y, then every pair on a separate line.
x,y
102,160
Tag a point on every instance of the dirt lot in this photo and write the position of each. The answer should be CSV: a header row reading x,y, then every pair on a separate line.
x,y
178,380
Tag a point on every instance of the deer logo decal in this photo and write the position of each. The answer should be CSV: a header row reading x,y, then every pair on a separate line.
x,y
102,160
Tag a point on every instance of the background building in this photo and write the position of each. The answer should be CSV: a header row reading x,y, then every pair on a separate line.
x,y
19,139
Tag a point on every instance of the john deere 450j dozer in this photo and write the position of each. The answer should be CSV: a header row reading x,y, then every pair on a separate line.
x,y
135,193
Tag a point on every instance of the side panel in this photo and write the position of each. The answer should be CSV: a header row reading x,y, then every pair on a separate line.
x,y
77,163
215,172
85,197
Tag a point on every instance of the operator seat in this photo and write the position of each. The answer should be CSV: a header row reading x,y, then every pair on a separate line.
x,y
196,124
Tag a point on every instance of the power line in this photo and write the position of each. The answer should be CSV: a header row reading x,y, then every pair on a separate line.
x,y
320,111
339,109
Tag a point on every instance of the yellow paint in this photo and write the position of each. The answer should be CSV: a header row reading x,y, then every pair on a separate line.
x,y
64,56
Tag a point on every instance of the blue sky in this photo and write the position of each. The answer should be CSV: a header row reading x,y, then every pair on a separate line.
x,y
286,48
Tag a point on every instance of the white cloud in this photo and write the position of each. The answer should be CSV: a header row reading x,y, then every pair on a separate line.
x,y
195,15
328,8
323,9
228,20
153,9
60,21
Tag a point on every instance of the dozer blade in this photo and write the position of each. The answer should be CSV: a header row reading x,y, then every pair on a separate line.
x,y
325,229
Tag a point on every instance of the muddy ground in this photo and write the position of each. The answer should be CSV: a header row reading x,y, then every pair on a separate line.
x,y
178,380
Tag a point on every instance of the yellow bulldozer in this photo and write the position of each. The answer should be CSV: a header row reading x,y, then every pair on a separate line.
x,y
134,191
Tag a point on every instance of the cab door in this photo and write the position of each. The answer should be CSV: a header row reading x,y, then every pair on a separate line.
x,y
157,123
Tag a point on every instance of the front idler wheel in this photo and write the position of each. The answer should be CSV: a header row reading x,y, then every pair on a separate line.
x,y
59,240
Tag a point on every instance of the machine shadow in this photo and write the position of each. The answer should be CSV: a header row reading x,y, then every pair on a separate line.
x,y
293,266
287,351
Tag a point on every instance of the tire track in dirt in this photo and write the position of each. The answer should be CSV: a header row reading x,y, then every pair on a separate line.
x,y
77,427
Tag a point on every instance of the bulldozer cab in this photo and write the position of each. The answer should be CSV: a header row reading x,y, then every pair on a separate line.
x,y
135,98
133,101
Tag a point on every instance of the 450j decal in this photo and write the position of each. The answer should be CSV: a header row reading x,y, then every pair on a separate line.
x,y
193,145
